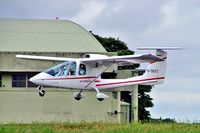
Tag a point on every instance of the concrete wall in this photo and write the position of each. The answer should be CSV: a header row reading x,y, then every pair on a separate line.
x,y
121,74
25,106
10,63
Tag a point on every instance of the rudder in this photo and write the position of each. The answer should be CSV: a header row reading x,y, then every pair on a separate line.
x,y
156,70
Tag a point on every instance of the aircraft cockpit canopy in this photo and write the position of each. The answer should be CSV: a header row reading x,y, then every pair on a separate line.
x,y
64,69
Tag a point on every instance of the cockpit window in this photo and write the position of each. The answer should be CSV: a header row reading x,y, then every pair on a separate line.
x,y
82,69
64,69
72,68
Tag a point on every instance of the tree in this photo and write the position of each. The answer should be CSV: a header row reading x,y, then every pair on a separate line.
x,y
116,45
144,101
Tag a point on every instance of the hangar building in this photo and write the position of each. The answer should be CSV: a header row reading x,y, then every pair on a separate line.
x,y
19,101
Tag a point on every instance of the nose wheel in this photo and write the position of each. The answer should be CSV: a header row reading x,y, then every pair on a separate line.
x,y
100,99
41,92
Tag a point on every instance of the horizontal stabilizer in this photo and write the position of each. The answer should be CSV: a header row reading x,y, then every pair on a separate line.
x,y
159,48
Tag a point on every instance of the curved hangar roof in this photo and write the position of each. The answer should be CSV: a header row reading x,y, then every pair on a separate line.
x,y
46,36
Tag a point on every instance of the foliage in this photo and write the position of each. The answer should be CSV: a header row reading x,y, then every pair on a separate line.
x,y
116,45
160,120
98,127
144,101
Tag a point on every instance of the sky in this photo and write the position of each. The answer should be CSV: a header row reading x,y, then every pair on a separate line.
x,y
138,23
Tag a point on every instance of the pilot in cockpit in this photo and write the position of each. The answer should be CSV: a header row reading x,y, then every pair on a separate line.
x,y
82,69
62,72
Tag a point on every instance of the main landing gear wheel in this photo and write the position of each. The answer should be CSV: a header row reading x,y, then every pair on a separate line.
x,y
77,98
78,95
41,92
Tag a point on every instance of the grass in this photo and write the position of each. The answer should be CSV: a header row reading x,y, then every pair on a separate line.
x,y
99,128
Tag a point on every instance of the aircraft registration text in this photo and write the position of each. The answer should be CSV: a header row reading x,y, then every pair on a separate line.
x,y
152,70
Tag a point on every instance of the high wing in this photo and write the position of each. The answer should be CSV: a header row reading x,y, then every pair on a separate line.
x,y
47,58
101,59
127,58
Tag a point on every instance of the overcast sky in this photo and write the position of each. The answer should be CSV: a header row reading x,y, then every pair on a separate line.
x,y
138,23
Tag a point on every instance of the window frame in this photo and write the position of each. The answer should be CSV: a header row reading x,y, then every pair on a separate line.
x,y
1,81
80,69
24,82
19,80
55,70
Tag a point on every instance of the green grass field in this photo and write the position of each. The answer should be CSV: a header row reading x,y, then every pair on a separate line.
x,y
100,127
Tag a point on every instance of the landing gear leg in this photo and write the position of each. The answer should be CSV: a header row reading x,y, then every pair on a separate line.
x,y
77,95
41,92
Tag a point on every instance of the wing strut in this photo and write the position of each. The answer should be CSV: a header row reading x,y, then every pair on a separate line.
x,y
99,74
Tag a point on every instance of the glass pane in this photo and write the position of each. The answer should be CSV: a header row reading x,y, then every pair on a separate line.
x,y
19,77
64,69
58,70
18,83
30,84
72,69
82,69
0,80
19,80
30,75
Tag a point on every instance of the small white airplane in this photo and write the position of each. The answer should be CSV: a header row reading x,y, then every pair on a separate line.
x,y
85,73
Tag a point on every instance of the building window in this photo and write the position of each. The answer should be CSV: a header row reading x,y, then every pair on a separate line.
x,y
19,80
0,80
30,84
22,80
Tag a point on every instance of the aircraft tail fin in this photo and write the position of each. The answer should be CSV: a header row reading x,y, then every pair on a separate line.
x,y
156,70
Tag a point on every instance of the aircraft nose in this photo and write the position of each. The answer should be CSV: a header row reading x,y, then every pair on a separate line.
x,y
35,78
38,79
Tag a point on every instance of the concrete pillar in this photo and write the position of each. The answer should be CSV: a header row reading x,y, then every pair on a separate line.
x,y
135,103
119,106
134,106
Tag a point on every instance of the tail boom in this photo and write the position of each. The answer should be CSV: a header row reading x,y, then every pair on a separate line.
x,y
154,74
157,70
139,80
